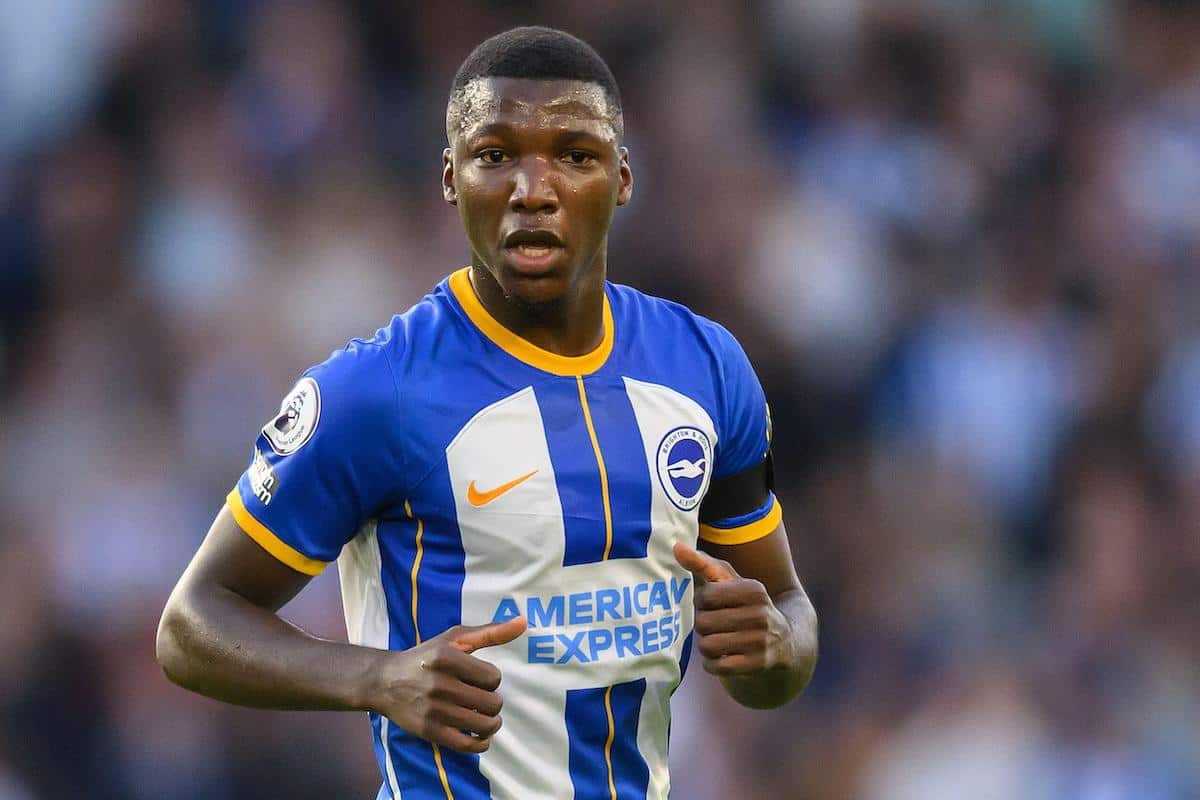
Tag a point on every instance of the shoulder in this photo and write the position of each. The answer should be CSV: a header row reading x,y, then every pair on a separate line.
x,y
407,335
658,317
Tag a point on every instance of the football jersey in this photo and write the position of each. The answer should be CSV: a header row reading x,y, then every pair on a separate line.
x,y
458,474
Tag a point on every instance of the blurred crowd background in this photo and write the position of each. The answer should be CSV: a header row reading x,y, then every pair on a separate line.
x,y
960,240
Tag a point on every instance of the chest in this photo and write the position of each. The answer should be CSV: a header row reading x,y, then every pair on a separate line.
x,y
574,471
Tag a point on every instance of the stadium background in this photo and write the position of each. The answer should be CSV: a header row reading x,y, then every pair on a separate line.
x,y
960,241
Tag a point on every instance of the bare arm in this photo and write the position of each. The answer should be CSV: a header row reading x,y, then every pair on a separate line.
x,y
755,626
220,636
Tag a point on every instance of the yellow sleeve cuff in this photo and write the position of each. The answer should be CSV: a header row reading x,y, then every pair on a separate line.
x,y
745,533
269,541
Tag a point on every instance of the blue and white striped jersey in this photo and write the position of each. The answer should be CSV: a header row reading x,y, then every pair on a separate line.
x,y
459,474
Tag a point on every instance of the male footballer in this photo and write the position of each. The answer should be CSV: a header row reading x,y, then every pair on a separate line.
x,y
539,487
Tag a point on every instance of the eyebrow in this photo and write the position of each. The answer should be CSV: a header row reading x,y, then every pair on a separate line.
x,y
501,128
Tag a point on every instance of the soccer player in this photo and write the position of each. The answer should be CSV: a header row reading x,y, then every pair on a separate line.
x,y
513,477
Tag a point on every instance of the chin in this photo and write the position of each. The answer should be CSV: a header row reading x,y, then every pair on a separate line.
x,y
535,297
533,289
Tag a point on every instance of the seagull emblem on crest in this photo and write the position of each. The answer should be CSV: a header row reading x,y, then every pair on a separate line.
x,y
686,469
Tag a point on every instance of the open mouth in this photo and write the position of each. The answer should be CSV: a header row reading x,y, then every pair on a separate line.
x,y
534,250
531,250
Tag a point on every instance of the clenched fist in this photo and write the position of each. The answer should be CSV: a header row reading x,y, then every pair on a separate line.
x,y
739,631
440,692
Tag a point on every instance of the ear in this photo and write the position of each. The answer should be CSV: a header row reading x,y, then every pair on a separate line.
x,y
626,177
448,190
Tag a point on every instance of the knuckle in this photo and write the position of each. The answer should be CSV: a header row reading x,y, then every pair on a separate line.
x,y
437,686
439,657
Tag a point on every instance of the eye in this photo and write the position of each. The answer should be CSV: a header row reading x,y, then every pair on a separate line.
x,y
492,155
579,158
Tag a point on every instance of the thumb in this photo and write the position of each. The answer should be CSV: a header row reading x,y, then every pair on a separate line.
x,y
470,638
702,565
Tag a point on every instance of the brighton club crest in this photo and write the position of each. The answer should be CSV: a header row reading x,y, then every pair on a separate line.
x,y
684,466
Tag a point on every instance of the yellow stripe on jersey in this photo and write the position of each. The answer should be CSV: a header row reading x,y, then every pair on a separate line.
x,y
612,731
416,568
587,417
464,292
267,539
745,533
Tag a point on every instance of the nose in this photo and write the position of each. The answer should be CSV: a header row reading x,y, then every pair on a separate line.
x,y
533,189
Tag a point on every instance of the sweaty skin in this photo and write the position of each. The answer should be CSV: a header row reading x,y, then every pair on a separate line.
x,y
527,158
539,156
479,100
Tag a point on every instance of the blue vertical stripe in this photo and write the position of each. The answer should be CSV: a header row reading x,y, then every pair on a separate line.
x,y
440,578
631,775
412,757
397,551
416,771
588,739
587,733
625,458
575,471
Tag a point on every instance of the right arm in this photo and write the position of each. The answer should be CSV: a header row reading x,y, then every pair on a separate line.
x,y
220,636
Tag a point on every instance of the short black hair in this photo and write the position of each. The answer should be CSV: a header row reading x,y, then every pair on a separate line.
x,y
537,53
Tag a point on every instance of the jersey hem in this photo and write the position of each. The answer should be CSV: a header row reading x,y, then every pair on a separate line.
x,y
745,533
267,539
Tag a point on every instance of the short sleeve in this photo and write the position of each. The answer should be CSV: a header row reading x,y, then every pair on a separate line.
x,y
326,463
741,490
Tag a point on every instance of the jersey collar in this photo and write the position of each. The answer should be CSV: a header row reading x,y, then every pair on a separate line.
x,y
522,350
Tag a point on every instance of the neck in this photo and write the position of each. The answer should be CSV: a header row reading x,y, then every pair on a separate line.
x,y
571,325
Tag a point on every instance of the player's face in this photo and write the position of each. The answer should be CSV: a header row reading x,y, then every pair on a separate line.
x,y
536,169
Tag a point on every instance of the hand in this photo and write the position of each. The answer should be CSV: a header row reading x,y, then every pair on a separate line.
x,y
440,692
739,631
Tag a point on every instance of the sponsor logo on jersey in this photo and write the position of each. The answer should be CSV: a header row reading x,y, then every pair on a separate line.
x,y
479,498
298,417
684,466
262,478
606,624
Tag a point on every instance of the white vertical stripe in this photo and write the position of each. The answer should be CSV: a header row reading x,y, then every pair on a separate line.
x,y
514,546
365,607
658,410
393,784
653,729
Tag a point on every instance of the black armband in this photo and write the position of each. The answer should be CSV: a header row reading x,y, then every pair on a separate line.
x,y
740,493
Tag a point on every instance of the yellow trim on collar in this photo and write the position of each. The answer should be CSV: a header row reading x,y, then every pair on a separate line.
x,y
522,350
746,533
269,541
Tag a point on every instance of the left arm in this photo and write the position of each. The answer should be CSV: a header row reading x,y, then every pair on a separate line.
x,y
755,626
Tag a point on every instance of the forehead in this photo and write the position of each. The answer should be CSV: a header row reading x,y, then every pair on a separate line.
x,y
526,103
